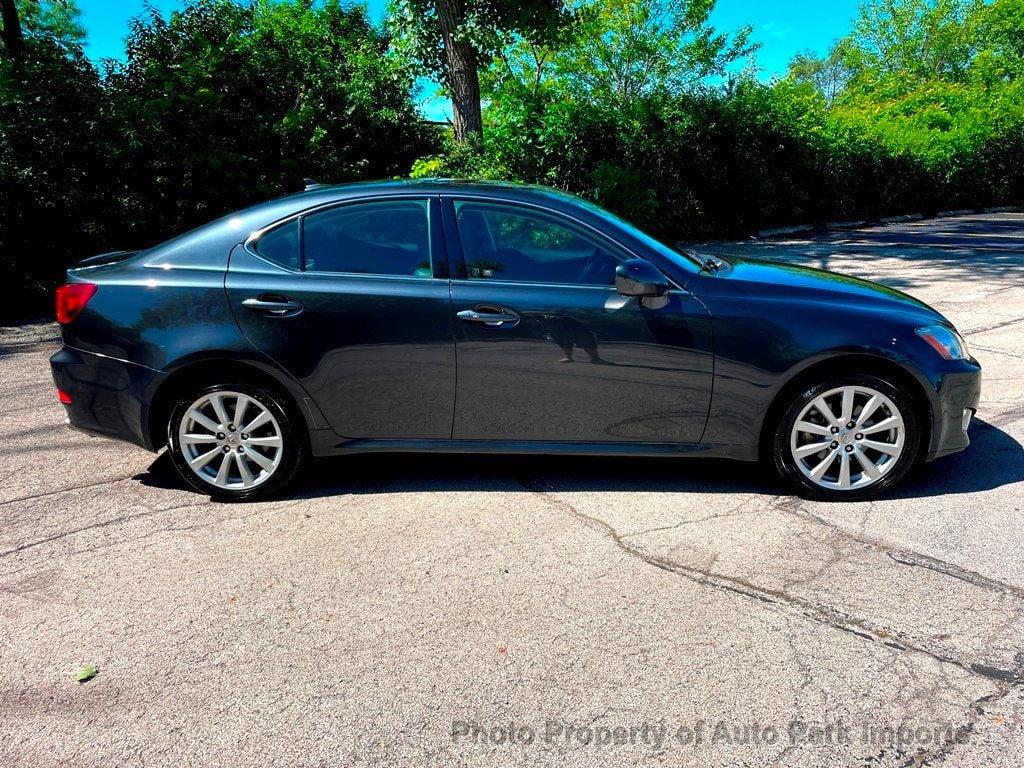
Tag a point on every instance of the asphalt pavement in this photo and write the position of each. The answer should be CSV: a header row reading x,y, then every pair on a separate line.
x,y
489,610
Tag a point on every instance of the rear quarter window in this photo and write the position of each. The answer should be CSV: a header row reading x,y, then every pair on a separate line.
x,y
281,245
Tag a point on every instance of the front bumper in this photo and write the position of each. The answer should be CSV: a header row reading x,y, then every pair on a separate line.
x,y
958,396
108,396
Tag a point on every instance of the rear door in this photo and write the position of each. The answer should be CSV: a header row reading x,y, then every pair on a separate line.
x,y
353,301
549,351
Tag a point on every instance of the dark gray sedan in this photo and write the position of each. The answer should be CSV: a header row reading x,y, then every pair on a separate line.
x,y
456,316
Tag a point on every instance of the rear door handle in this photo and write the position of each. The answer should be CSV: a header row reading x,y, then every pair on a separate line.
x,y
278,306
493,317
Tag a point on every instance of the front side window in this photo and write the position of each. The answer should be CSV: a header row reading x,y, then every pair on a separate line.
x,y
376,238
506,242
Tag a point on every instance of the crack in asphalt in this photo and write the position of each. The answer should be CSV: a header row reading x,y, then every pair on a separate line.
x,y
94,526
57,492
1003,418
961,735
737,511
917,560
1006,680
794,506
991,326
817,611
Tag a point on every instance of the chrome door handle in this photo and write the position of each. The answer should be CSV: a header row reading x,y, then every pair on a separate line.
x,y
277,307
498,319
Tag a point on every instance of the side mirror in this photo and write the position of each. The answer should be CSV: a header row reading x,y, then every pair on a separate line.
x,y
638,277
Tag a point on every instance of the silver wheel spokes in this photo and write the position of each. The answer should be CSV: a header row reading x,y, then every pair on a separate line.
x,y
231,440
847,438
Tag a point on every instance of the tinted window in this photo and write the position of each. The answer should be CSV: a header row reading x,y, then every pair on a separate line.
x,y
281,245
503,242
378,238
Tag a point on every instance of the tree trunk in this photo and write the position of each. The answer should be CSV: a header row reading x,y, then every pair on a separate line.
x,y
463,79
14,43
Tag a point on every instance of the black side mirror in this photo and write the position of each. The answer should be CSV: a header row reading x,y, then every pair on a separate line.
x,y
638,277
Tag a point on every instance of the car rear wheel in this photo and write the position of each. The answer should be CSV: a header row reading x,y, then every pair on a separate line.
x,y
846,438
235,442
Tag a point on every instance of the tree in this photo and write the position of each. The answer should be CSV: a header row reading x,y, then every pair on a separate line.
x,y
828,75
56,19
224,104
1000,29
619,50
922,38
900,46
452,39
12,35
53,142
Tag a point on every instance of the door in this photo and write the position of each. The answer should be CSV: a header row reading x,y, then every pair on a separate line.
x,y
353,301
549,351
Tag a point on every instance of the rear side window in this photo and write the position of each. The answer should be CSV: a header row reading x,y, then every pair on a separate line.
x,y
281,245
390,237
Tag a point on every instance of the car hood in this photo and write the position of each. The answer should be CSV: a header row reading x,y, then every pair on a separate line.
x,y
773,279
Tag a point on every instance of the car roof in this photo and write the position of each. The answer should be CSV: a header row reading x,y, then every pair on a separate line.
x,y
320,193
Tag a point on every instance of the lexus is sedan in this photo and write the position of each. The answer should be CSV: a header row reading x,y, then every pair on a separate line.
x,y
455,316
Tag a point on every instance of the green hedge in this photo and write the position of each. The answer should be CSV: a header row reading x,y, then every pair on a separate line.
x,y
727,163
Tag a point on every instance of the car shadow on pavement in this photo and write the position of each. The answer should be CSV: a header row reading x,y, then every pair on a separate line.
x,y
994,459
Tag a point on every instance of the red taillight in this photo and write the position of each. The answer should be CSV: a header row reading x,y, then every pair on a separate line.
x,y
72,298
64,396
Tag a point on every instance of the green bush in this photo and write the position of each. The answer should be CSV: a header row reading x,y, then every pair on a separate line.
x,y
55,146
220,106
723,163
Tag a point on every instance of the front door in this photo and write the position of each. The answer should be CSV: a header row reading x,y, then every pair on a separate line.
x,y
549,351
348,301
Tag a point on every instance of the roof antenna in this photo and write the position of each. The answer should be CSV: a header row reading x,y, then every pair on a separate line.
x,y
312,184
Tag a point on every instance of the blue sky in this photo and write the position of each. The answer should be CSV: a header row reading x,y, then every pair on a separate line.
x,y
782,28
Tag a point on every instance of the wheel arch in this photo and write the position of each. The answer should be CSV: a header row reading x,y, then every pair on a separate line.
x,y
845,364
212,370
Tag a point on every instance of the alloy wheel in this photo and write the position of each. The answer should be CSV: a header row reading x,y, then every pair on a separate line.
x,y
231,440
847,438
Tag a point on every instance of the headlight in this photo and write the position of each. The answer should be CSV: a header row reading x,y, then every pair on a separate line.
x,y
945,341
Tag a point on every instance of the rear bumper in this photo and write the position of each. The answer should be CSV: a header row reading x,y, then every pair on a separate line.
x,y
108,396
958,396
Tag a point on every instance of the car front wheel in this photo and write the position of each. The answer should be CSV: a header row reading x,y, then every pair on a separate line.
x,y
235,442
847,438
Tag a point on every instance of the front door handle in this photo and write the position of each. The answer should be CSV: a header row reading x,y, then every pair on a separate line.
x,y
278,306
492,317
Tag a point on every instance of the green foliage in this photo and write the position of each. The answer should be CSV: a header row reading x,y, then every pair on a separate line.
x,y
923,38
226,104
828,76
56,19
921,109
486,24
450,38
937,84
221,105
619,50
459,160
53,145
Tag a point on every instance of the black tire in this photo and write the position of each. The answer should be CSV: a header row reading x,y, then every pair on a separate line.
x,y
784,461
293,448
